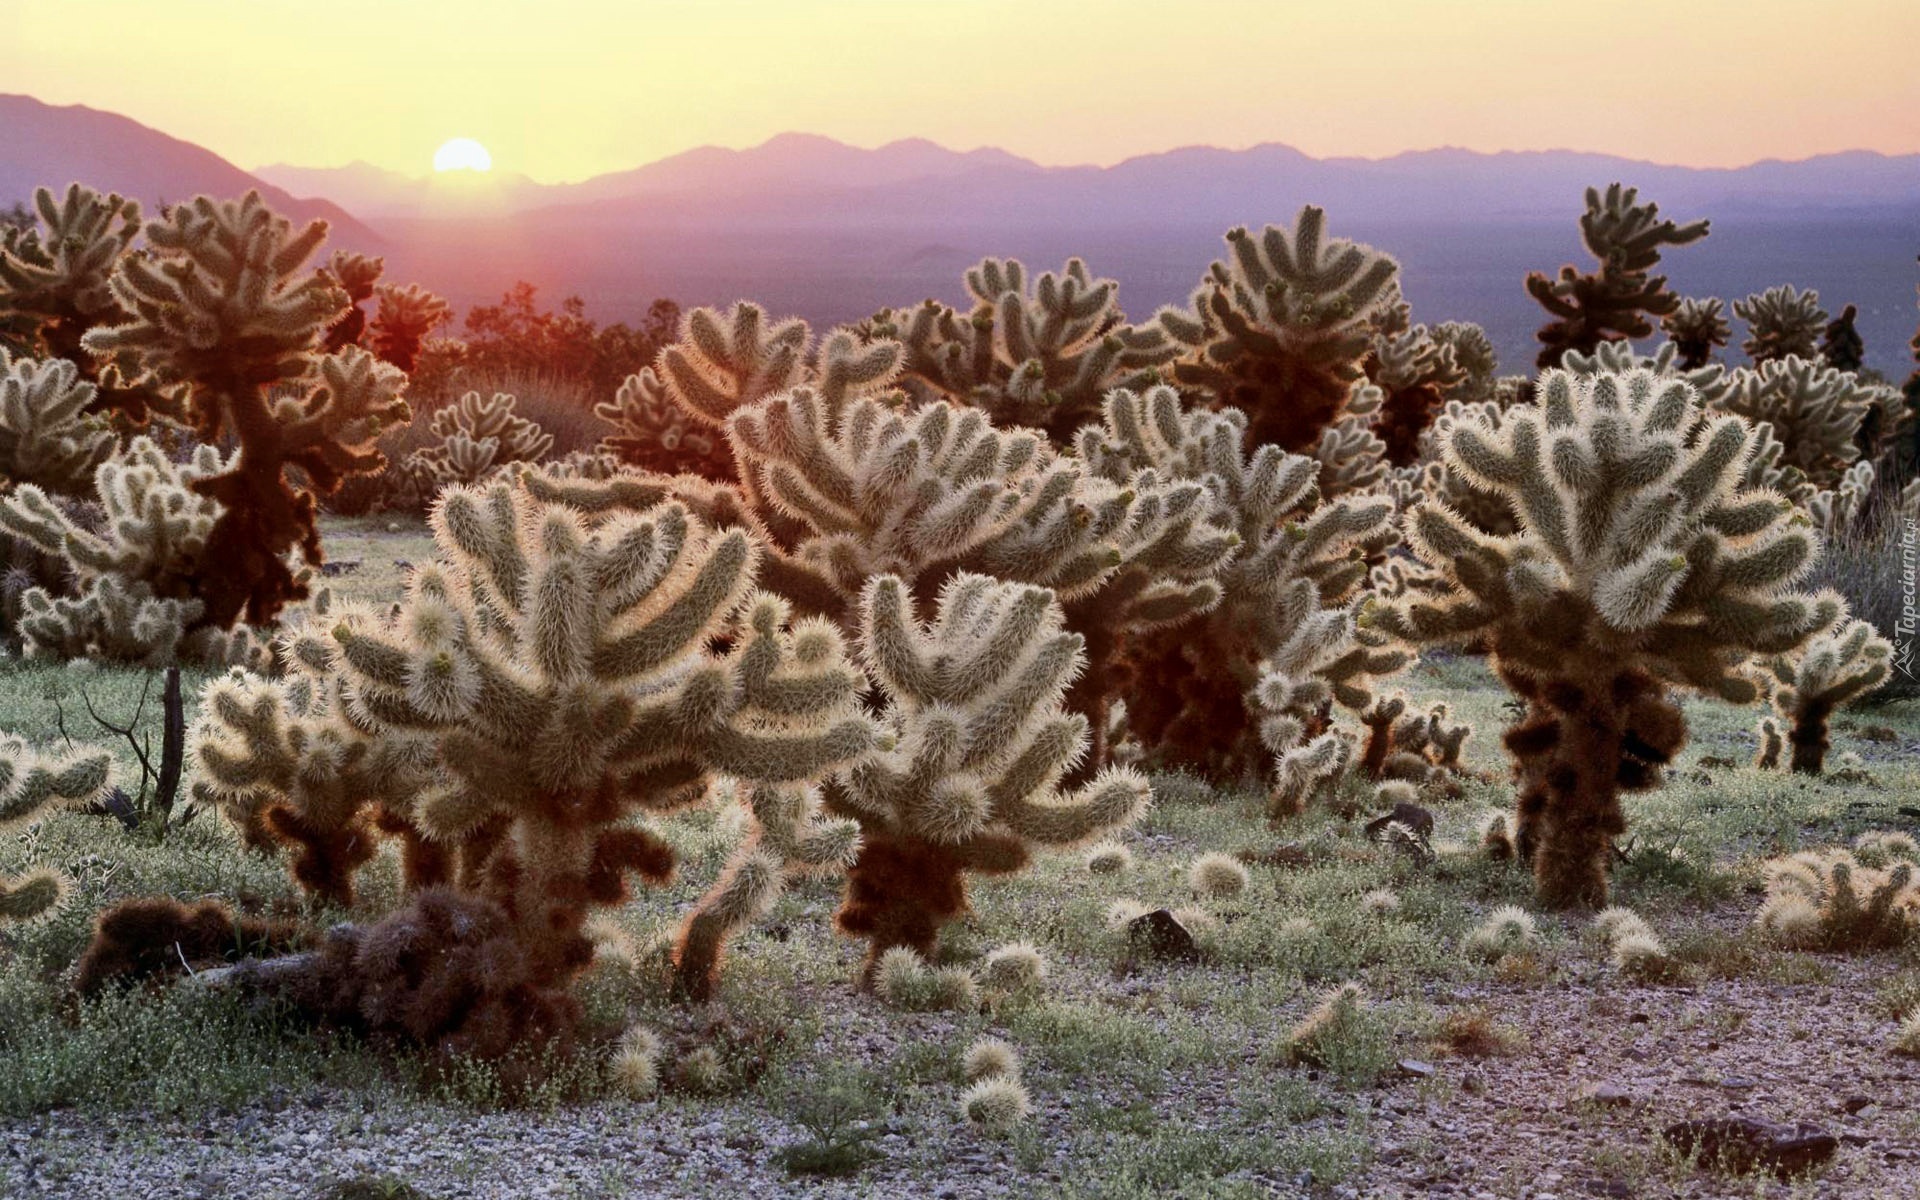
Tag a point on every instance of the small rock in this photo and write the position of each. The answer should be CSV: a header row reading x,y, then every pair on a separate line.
x,y
1854,1104
1160,934
1606,1095
1415,1068
1737,1083
1741,1144
340,566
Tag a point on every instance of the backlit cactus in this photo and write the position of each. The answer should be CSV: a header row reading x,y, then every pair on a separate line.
x,y
1642,563
1417,374
402,322
1829,900
976,742
1697,327
1284,624
723,363
1815,412
1281,328
547,683
1035,351
47,437
135,595
55,281
1782,322
1614,302
476,436
1833,669
33,786
219,313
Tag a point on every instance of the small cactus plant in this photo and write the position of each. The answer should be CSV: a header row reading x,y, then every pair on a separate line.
x,y
978,743
32,786
1839,666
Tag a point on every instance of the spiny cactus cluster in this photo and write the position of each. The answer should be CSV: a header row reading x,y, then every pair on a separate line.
x,y
477,436
1814,410
1830,900
1613,302
1811,683
1282,638
1040,352
1697,327
1642,563
219,313
977,744
547,682
1782,322
33,785
1281,328
56,285
135,594
47,436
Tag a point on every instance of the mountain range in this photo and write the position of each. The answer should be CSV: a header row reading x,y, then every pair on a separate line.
x,y
820,229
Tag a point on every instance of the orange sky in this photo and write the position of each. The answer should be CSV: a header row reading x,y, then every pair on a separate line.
x,y
564,89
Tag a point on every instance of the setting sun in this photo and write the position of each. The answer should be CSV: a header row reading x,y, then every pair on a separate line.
x,y
462,154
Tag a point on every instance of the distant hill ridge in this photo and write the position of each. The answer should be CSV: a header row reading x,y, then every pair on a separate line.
x,y
54,145
827,231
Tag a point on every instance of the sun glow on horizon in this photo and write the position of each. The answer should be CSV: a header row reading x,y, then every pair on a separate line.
x,y
462,154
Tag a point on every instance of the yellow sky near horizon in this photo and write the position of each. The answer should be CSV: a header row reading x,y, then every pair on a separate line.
x,y
565,89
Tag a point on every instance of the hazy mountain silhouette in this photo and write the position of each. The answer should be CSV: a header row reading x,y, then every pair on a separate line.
x,y
816,228
52,145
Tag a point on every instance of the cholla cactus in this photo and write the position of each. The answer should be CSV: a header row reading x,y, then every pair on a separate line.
x,y
1039,352
1773,743
1833,669
1697,327
1828,900
725,362
357,275
403,321
54,280
1782,322
1281,328
1339,1017
32,786
219,314
1841,346
1815,411
1283,629
789,835
1306,773
977,744
1641,563
940,490
476,436
1416,373
656,434
1613,302
1473,354
136,593
545,685
46,437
